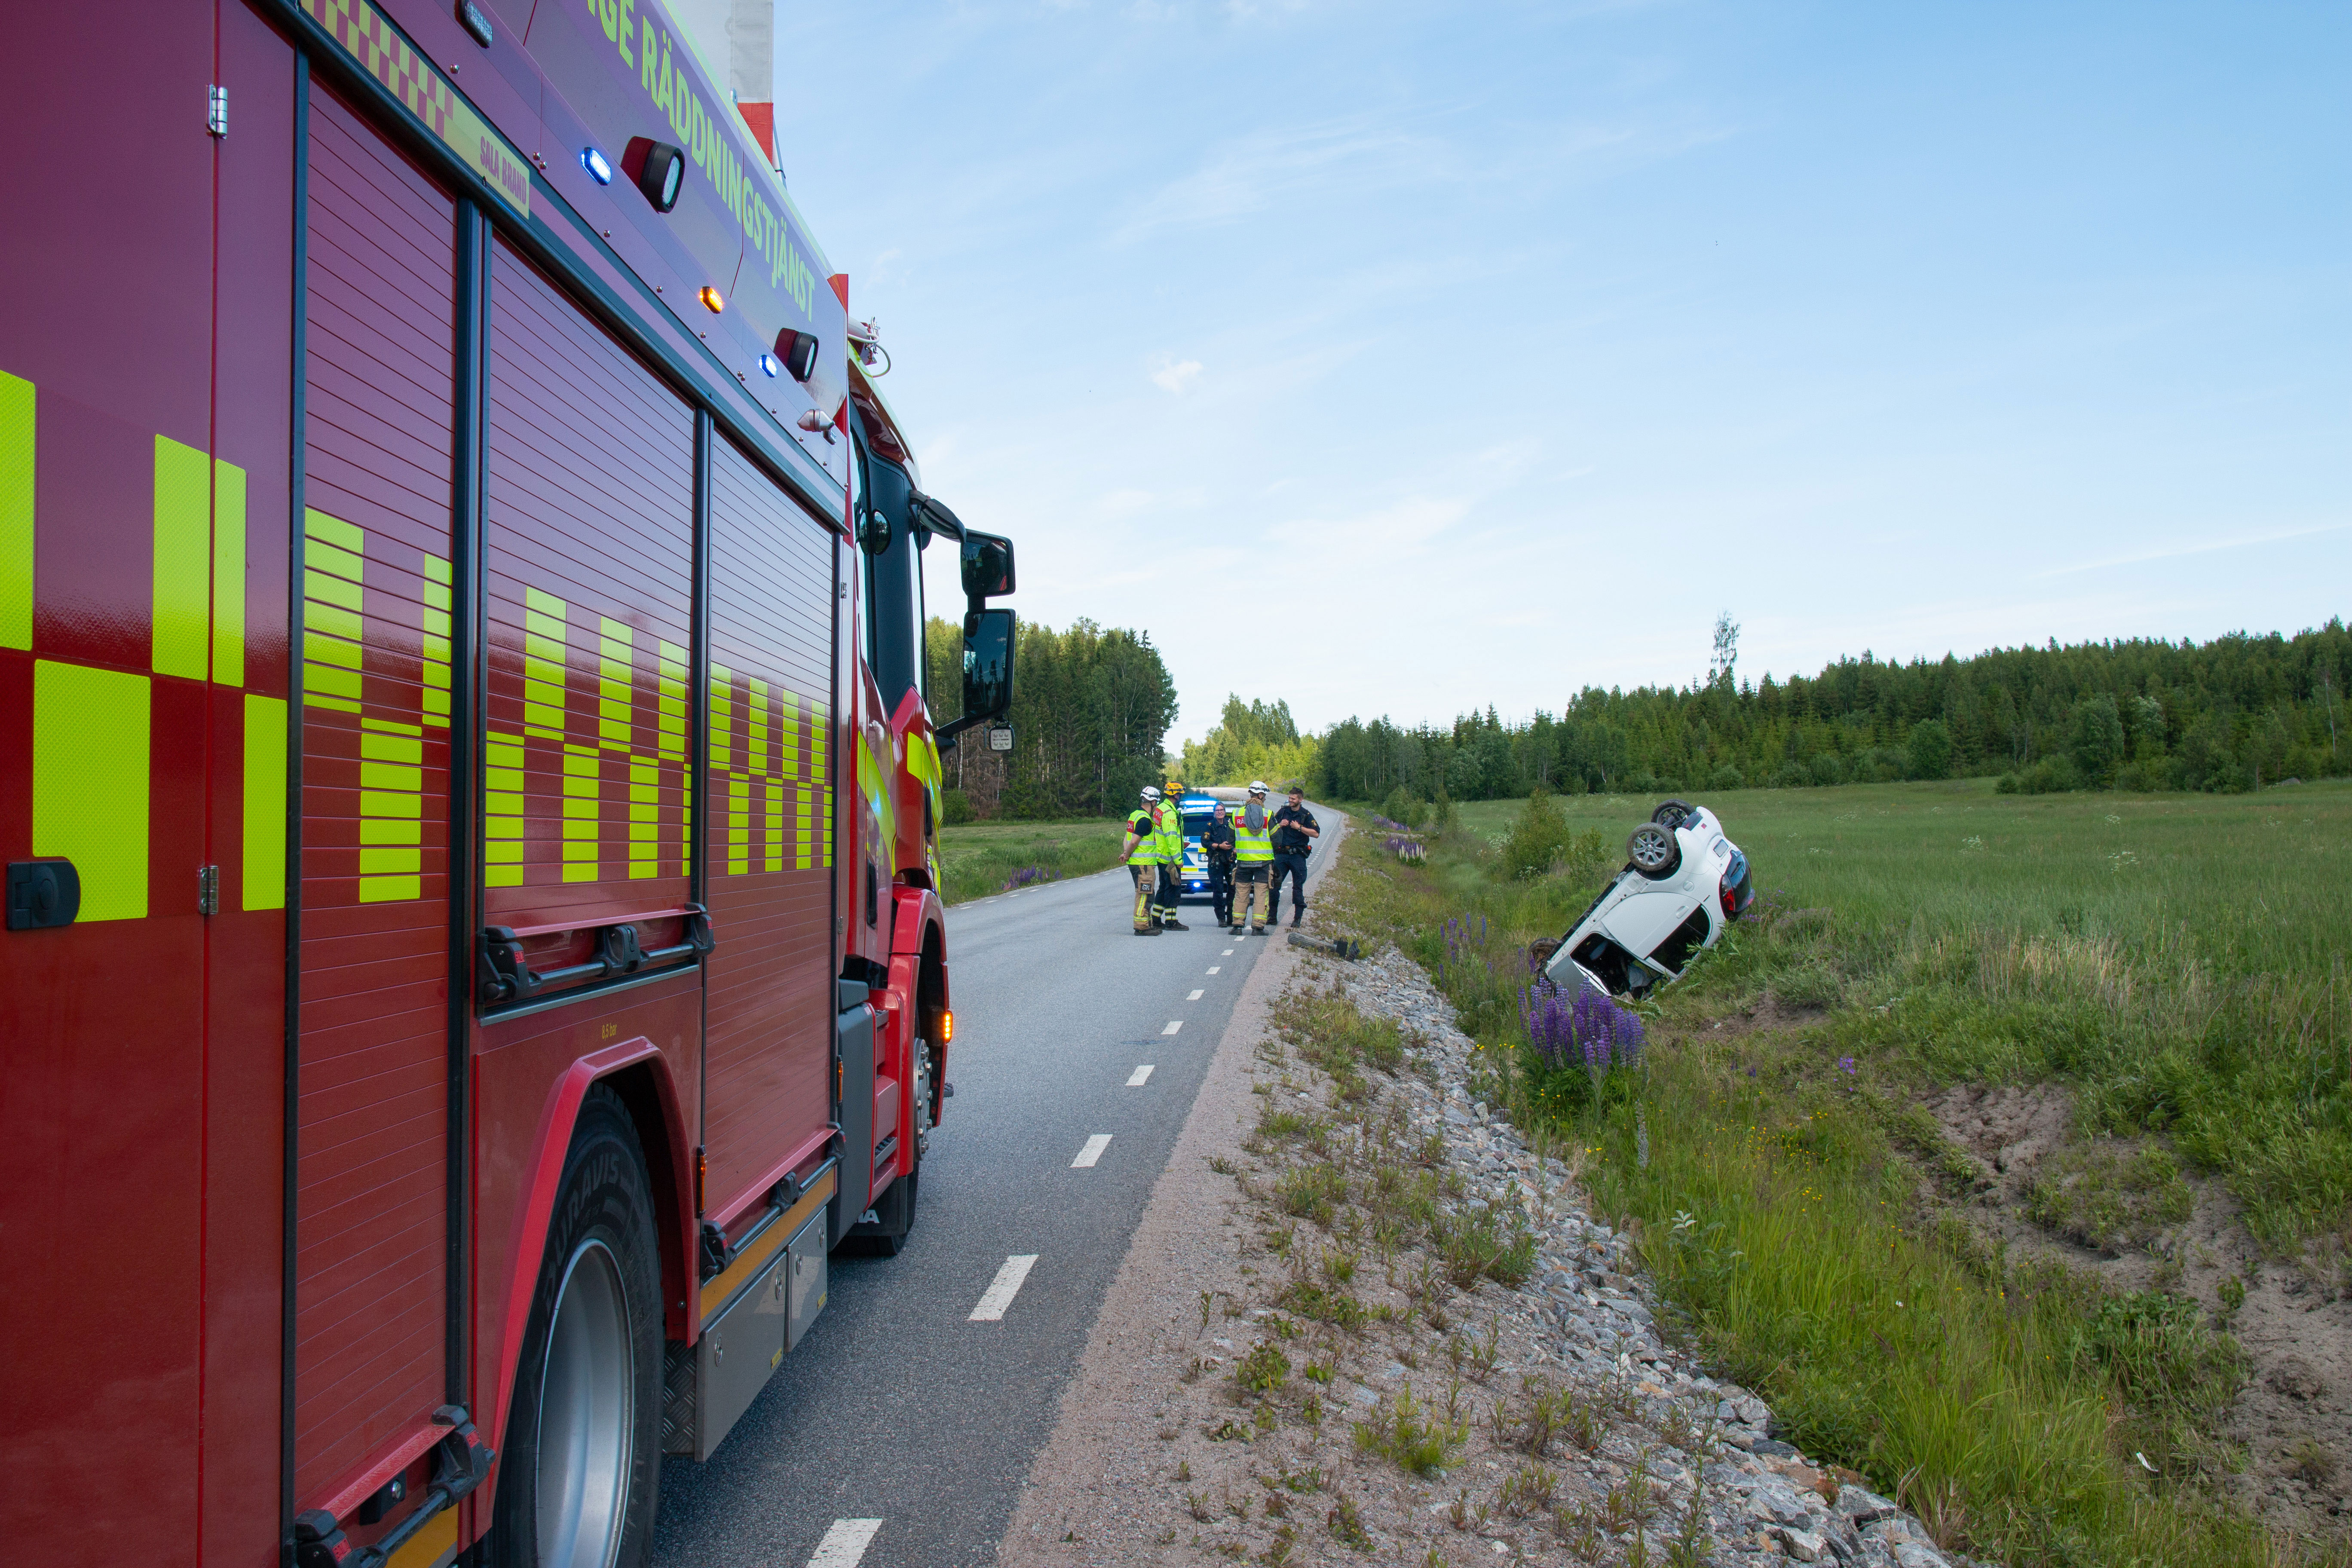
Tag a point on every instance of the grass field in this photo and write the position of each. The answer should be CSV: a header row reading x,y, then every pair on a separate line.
x,y
2174,962
979,859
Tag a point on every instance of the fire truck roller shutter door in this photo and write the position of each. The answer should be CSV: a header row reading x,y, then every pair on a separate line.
x,y
771,981
379,422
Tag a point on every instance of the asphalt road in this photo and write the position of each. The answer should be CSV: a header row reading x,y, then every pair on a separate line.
x,y
899,1407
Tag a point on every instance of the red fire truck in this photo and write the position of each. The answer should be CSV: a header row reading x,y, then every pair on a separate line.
x,y
465,783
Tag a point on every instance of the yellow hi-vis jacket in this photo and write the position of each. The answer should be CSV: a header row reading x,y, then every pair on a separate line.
x,y
1170,832
1252,847
1142,823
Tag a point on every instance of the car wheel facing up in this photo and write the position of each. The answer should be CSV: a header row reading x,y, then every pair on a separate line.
x,y
1654,851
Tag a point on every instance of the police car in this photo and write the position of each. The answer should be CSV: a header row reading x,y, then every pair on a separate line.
x,y
1194,810
1683,885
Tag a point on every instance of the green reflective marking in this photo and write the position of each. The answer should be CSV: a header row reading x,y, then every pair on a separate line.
x,y
264,802
182,559
16,511
228,573
334,530
89,783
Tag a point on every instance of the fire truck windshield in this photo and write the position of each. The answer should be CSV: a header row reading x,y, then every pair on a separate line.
x,y
894,581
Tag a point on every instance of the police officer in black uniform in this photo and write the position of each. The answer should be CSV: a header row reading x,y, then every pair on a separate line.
x,y
1294,832
1217,848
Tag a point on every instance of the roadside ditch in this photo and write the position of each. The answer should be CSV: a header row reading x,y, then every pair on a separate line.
x,y
1364,1319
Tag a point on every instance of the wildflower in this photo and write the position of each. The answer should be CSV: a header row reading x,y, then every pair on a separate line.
x,y
1845,1066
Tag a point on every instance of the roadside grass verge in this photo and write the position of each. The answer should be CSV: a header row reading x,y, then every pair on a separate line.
x,y
977,858
1793,1197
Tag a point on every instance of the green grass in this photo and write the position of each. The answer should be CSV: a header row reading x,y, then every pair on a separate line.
x,y
976,859
2172,960
2178,960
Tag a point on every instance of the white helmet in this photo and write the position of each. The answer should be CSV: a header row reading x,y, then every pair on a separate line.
x,y
1257,786
1151,795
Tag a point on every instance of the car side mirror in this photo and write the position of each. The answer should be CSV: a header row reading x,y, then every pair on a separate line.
x,y
987,665
987,565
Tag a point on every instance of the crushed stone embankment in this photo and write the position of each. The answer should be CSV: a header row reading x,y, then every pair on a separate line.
x,y
1565,1429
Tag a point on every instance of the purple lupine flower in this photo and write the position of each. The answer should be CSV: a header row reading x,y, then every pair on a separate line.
x,y
1845,1066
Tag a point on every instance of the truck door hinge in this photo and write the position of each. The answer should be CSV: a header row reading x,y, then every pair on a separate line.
x,y
216,111
207,889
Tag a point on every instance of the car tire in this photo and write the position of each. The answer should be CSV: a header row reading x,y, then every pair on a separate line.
x,y
1654,851
1673,813
580,1474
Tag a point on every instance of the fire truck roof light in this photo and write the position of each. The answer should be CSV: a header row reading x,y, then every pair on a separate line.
x,y
712,300
598,168
768,364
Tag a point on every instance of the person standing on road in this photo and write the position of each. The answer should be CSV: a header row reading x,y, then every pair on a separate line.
x,y
1217,849
1253,854
1294,832
1171,856
1140,849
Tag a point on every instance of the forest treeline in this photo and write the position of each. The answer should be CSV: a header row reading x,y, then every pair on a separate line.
x,y
2230,714
1251,740
1091,709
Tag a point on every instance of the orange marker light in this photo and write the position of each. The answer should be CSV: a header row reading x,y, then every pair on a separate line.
x,y
712,300
947,1026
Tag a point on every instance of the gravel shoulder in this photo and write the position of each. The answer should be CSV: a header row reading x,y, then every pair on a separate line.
x,y
1099,1488
1224,1408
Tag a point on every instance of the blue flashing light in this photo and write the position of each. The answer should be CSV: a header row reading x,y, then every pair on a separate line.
x,y
598,168
768,364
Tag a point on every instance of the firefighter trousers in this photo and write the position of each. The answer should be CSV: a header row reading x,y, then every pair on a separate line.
x,y
1147,881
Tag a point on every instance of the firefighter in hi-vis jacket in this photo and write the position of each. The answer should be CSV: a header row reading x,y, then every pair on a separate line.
x,y
1171,856
1142,852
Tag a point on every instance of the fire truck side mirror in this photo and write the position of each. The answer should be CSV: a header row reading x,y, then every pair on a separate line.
x,y
987,566
987,665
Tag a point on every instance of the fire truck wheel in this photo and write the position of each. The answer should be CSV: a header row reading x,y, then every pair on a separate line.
x,y
894,1217
578,1482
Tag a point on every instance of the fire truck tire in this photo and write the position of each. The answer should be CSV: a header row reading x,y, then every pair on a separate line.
x,y
580,1474
894,1217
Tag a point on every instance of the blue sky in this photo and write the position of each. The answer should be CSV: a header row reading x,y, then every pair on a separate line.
x,y
1405,359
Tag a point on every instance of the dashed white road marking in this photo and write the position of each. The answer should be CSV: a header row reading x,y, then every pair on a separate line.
x,y
846,1542
1141,1076
1092,1151
1003,1289
1214,967
1195,996
1227,954
1174,1024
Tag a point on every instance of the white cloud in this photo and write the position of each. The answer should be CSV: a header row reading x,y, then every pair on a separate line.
x,y
1253,173
2173,551
1177,375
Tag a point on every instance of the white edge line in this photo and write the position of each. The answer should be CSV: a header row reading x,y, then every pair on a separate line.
x,y
844,1543
1141,1076
1091,1152
1004,1288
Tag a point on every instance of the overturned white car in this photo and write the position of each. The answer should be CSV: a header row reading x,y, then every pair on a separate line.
x,y
1683,885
